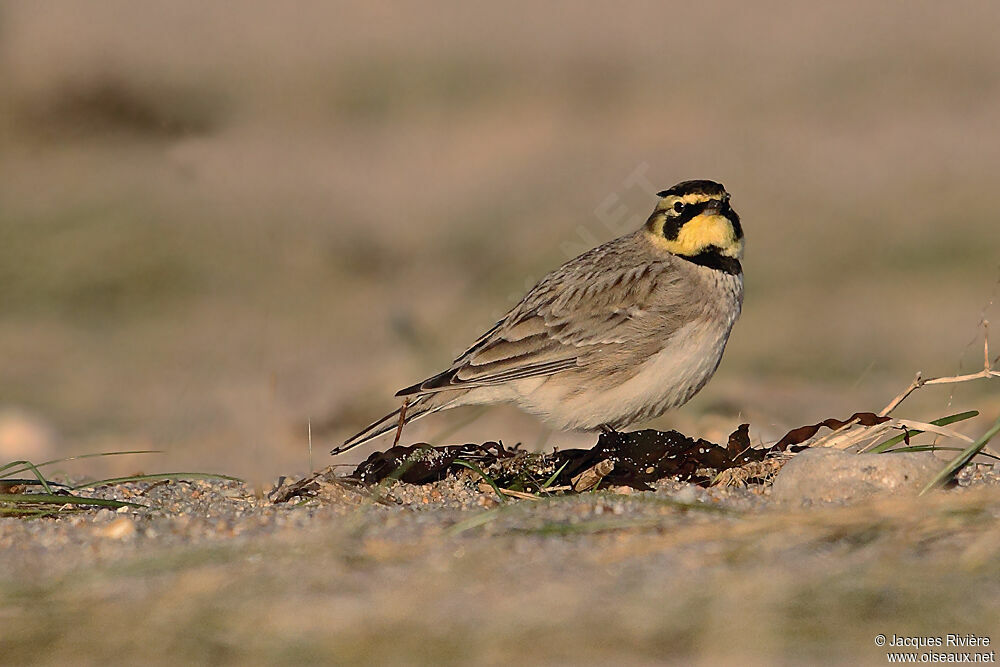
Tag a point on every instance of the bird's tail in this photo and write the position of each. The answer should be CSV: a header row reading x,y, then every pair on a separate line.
x,y
419,407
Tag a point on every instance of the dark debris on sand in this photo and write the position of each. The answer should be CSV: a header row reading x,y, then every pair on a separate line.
x,y
634,459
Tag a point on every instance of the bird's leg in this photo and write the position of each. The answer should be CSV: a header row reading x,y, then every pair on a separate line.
x,y
402,421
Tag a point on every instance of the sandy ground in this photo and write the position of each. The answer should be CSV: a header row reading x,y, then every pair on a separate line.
x,y
211,573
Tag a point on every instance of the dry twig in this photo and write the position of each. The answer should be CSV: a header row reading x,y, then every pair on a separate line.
x,y
521,495
918,381
402,421
847,437
592,476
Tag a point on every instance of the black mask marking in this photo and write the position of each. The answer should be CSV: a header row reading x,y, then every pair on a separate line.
x,y
713,258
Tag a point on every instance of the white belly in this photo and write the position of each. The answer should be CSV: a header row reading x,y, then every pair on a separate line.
x,y
666,380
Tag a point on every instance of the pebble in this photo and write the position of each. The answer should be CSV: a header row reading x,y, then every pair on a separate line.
x,y
818,476
119,529
688,494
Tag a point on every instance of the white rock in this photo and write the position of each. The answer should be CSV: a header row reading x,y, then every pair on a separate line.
x,y
119,529
833,476
688,494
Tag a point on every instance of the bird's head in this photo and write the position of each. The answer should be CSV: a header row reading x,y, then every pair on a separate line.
x,y
694,220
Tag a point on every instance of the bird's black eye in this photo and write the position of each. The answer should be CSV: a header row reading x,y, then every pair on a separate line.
x,y
678,206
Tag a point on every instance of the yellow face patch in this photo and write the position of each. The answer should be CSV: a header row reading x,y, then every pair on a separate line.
x,y
697,235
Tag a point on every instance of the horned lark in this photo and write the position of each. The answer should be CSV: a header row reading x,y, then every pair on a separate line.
x,y
616,336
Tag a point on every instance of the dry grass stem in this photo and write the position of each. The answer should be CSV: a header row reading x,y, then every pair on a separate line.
x,y
911,425
866,437
592,476
918,382
522,495
486,488
847,436
402,421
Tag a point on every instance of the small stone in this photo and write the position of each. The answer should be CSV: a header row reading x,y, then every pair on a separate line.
x,y
688,494
834,476
119,529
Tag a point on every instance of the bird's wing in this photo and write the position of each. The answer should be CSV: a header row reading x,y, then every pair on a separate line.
x,y
573,312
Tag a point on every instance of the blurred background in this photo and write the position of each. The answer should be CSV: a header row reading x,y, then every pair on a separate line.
x,y
220,223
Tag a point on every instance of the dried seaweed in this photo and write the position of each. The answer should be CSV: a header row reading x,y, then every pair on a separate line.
x,y
634,459
799,435
422,463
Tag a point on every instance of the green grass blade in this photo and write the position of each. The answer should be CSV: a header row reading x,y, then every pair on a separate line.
x,y
71,458
28,465
475,521
555,475
944,421
557,528
154,478
34,512
487,478
16,481
936,448
962,459
11,465
923,448
51,498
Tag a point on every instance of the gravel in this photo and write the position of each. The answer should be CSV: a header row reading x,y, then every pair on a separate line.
x,y
210,571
